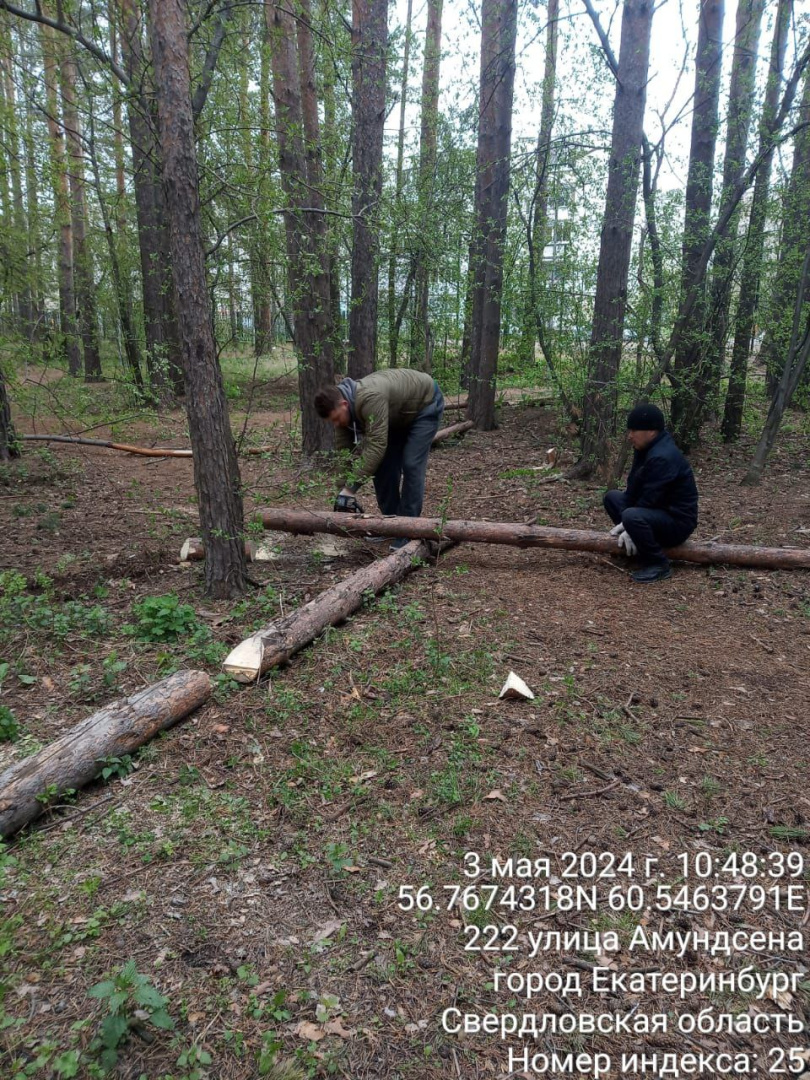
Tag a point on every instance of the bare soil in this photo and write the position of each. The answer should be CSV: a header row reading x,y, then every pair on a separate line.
x,y
251,864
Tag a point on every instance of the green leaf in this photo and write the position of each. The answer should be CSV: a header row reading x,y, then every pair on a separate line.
x,y
113,1030
102,989
161,1019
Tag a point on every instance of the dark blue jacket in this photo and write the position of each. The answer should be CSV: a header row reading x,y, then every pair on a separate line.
x,y
662,479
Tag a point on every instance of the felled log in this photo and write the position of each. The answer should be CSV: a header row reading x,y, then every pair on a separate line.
x,y
454,429
193,550
516,534
144,451
277,642
77,757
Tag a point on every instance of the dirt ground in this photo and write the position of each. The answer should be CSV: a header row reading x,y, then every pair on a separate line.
x,y
250,865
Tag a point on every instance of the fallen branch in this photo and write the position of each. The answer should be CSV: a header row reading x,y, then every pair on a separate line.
x,y
454,429
160,452
516,534
144,451
30,785
277,642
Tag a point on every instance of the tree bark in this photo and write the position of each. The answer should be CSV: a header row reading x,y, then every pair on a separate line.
x,y
686,409
515,534
426,237
493,159
84,285
305,227
69,336
17,258
738,124
72,761
216,470
794,368
369,48
276,643
599,413
9,447
755,239
454,429
163,360
397,218
795,235
536,221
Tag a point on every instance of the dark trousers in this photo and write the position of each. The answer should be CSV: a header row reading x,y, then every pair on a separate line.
x,y
650,530
399,482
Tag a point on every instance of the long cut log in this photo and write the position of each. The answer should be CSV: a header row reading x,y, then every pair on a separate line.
x,y
277,642
516,534
76,758
454,429
144,451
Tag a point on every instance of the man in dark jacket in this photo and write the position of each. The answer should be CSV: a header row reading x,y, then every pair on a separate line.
x,y
393,415
659,508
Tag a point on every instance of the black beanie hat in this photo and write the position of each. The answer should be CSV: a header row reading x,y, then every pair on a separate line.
x,y
646,418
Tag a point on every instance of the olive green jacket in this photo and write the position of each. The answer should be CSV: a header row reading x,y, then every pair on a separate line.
x,y
382,400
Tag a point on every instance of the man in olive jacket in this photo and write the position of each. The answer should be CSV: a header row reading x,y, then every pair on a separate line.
x,y
660,506
391,417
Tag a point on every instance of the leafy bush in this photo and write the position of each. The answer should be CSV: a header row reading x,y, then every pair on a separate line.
x,y
162,618
41,611
132,1001
9,728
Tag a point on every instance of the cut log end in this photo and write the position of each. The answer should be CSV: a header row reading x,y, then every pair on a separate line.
x,y
193,550
244,663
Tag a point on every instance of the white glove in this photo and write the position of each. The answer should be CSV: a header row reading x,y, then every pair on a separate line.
x,y
626,542
617,530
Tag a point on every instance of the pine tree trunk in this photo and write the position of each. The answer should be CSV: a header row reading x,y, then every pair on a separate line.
x,y
260,272
162,356
397,217
369,47
422,352
69,337
795,235
493,159
795,365
18,267
84,285
755,239
216,470
305,227
684,373
537,231
740,108
9,448
599,415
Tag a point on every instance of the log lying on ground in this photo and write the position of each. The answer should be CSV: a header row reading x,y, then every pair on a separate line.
x,y
454,429
163,452
144,451
193,550
76,758
516,534
277,642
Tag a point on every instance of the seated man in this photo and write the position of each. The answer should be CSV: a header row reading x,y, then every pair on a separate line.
x,y
659,508
396,413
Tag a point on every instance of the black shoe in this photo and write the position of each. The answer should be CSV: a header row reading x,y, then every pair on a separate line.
x,y
399,543
657,571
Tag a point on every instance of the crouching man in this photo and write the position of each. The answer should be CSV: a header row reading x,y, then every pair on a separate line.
x,y
389,419
659,508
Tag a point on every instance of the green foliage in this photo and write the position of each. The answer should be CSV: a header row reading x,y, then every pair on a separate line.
x,y
113,767
162,619
40,611
131,1002
9,728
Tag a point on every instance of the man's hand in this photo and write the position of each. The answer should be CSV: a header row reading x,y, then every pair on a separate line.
x,y
626,542
346,503
617,530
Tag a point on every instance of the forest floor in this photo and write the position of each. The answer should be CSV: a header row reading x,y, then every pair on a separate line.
x,y
249,863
